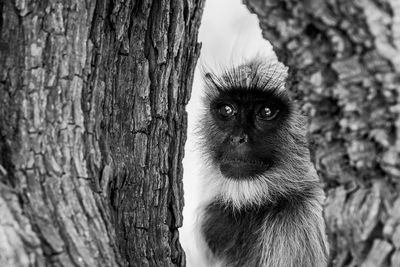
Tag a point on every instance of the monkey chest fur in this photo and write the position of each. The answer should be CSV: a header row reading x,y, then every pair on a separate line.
x,y
234,236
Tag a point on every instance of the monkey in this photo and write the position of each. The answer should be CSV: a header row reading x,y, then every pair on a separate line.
x,y
262,198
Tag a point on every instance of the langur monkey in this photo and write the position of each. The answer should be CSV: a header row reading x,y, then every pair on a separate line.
x,y
262,199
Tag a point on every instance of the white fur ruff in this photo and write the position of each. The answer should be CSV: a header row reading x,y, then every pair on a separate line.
x,y
238,193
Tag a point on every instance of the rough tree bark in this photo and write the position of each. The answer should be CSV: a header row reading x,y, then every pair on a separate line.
x,y
92,129
345,63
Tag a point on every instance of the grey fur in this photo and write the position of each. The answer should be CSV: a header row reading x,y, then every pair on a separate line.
x,y
283,206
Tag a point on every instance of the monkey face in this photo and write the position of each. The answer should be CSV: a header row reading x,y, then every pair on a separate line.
x,y
252,136
245,131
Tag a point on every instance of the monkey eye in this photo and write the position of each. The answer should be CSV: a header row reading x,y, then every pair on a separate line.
x,y
267,114
226,111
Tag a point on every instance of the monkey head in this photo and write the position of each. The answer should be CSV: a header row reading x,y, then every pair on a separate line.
x,y
253,136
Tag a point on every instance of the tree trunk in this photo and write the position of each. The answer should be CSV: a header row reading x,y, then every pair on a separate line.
x,y
92,130
345,61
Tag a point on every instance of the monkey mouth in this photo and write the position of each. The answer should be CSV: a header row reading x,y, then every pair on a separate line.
x,y
238,168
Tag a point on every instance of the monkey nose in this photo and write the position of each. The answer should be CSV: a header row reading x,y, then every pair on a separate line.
x,y
239,139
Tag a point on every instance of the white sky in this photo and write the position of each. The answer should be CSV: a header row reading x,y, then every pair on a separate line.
x,y
229,34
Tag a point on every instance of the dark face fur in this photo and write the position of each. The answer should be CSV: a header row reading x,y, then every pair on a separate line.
x,y
249,122
253,138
